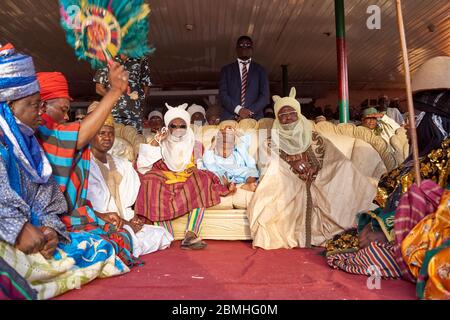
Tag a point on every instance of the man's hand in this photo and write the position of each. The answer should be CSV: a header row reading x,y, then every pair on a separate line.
x,y
137,221
51,238
245,113
100,89
135,226
112,218
162,134
30,239
118,77
230,185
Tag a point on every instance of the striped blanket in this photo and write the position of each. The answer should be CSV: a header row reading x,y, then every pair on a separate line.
x,y
159,201
414,205
376,259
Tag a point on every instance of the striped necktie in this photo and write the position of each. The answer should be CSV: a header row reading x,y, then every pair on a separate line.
x,y
244,81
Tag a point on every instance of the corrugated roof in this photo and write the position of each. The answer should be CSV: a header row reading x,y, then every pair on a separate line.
x,y
292,32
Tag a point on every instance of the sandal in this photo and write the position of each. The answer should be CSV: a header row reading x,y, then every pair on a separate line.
x,y
191,242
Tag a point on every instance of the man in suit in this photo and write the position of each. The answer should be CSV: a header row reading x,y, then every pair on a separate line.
x,y
244,86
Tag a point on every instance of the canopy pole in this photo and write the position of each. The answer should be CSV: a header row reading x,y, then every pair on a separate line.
x,y
412,120
285,80
341,51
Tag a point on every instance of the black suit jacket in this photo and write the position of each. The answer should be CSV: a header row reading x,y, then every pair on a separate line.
x,y
257,96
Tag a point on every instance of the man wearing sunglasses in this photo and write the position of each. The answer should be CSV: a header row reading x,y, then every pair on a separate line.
x,y
244,86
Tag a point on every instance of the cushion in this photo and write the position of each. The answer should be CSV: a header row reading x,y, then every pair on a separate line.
x,y
226,203
242,198
218,225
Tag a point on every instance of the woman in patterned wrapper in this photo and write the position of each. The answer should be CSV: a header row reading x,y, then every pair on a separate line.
x,y
309,190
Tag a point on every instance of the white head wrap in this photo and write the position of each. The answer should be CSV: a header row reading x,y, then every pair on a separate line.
x,y
196,108
296,137
178,112
177,151
155,114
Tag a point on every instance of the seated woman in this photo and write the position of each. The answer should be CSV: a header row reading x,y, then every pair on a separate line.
x,y
171,184
377,229
112,190
310,191
230,161
33,240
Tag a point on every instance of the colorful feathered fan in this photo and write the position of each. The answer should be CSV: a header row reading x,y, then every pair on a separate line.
x,y
99,30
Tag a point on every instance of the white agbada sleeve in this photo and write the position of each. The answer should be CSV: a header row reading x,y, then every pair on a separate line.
x,y
98,193
129,187
148,156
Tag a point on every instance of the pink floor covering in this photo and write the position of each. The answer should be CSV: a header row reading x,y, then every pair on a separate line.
x,y
234,270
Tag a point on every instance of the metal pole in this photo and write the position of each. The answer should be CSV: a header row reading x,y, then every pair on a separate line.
x,y
285,79
412,120
341,50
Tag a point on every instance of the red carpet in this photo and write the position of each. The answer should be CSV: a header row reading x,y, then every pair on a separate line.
x,y
233,270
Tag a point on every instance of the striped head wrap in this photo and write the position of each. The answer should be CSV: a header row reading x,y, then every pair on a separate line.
x,y
17,74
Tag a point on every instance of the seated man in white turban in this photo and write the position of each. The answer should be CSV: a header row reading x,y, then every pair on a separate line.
x,y
310,191
112,190
171,183
198,114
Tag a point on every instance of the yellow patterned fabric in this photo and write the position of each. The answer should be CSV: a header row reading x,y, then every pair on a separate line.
x,y
438,284
177,177
428,234
109,122
435,166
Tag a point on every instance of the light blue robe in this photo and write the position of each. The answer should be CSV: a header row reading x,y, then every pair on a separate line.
x,y
237,168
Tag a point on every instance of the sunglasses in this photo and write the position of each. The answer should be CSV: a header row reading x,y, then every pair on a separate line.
x,y
287,113
173,126
245,45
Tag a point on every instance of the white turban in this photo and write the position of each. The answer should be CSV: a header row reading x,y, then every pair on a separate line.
x,y
155,114
177,112
196,108
177,151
